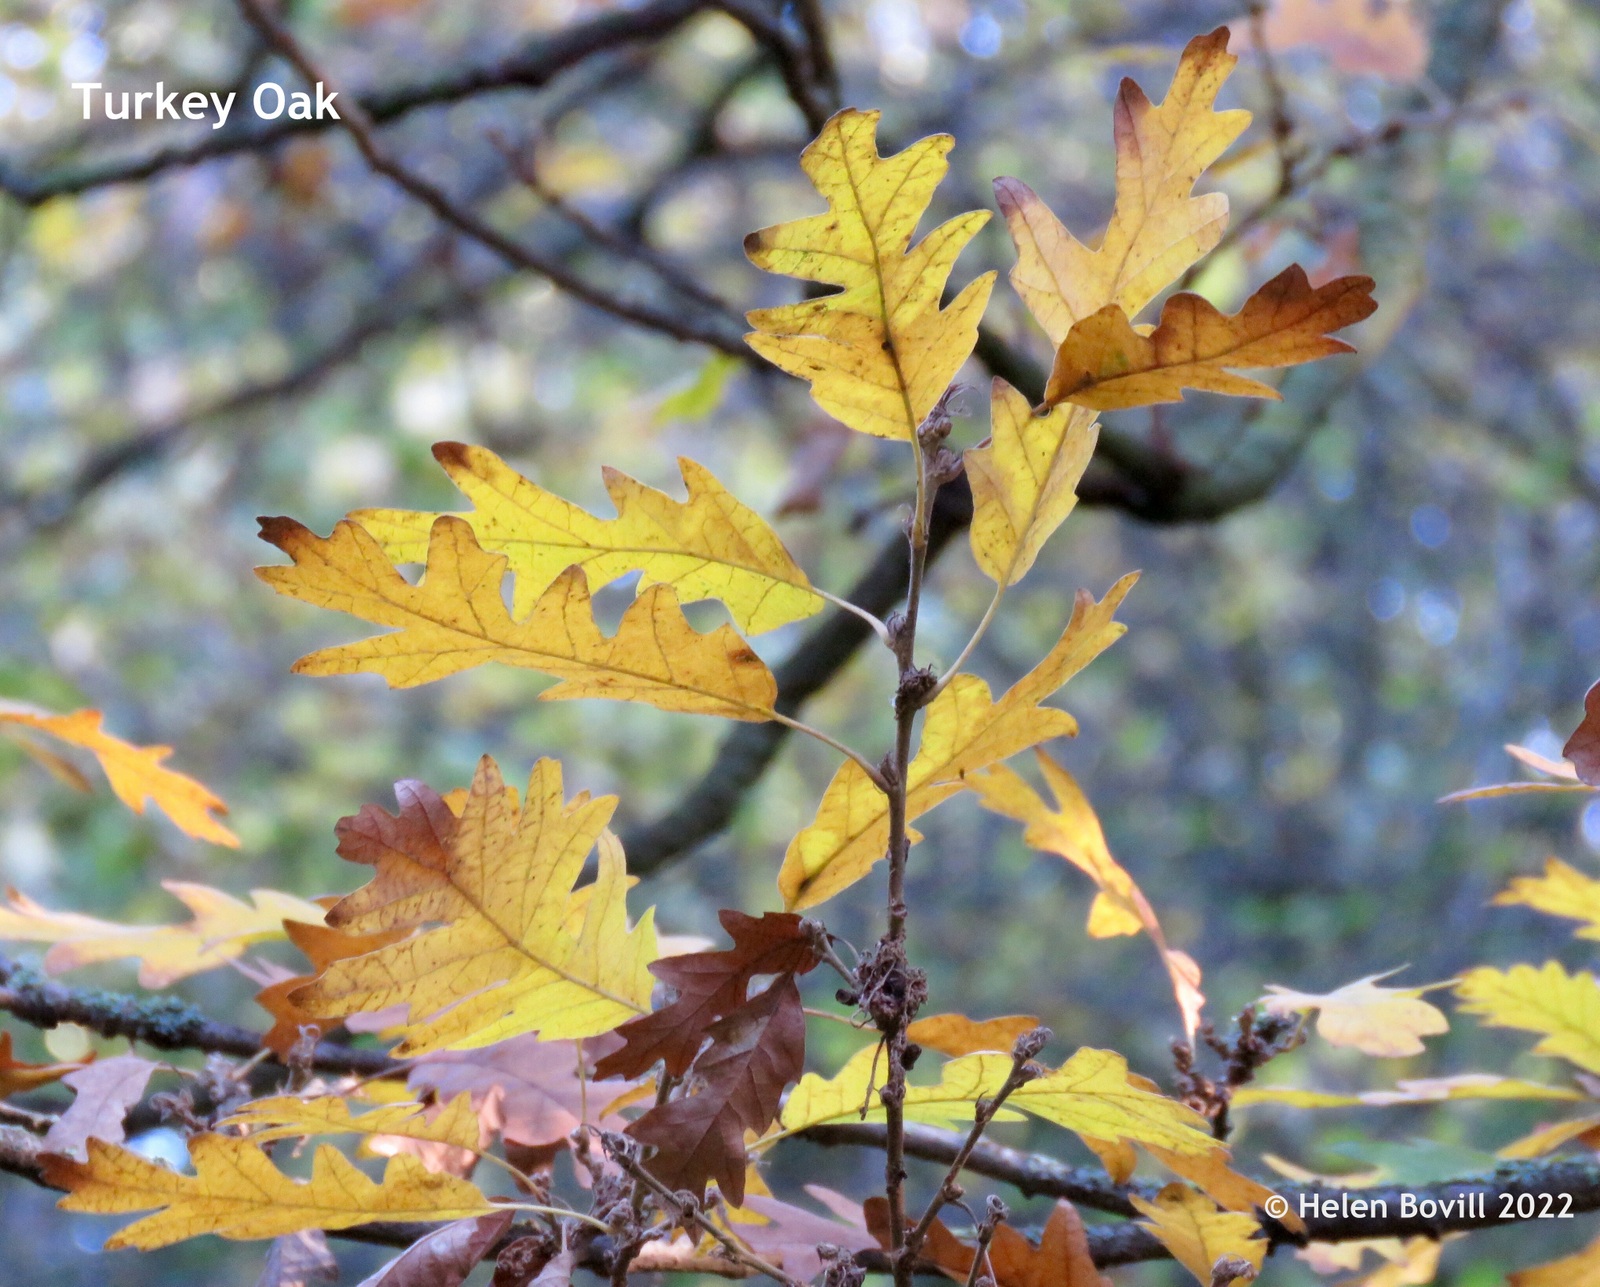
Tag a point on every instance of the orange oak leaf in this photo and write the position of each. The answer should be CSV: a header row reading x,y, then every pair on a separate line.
x,y
1384,38
135,772
1061,1259
1104,363
956,1035
323,945
15,1075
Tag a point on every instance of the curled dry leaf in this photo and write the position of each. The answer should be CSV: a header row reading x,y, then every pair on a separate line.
x,y
709,547
106,1090
444,1257
1583,747
299,1260
709,985
1388,1023
756,1051
135,772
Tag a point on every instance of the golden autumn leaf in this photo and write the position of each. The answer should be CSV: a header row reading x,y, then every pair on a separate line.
x,y
221,928
1157,230
964,730
955,1034
455,619
1581,1269
1197,1234
505,960
879,352
709,547
135,772
1211,1174
236,1192
1073,831
1388,1023
286,1117
1563,1008
1024,482
1104,363
1416,1090
1562,891
1091,1094
1582,1130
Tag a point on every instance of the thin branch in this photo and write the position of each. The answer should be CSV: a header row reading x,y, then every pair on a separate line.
x,y
717,332
866,765
164,1022
538,62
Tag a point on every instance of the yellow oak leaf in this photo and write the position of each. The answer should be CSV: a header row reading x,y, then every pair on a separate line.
x,y
1197,1234
879,352
1072,831
1562,891
135,772
708,547
505,960
1388,1023
1564,1008
1415,1090
1091,1094
1157,230
1581,1269
1230,1190
284,1117
236,1192
221,929
323,945
1024,483
1547,1139
1104,363
964,730
955,1034
455,619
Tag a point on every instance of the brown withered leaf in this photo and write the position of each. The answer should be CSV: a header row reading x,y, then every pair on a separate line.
x,y
793,1234
710,985
444,1257
106,1090
1105,364
1583,747
542,1098
299,1260
15,1075
323,945
756,1051
1061,1259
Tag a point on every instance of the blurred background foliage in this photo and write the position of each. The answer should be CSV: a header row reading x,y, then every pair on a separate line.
x,y
277,330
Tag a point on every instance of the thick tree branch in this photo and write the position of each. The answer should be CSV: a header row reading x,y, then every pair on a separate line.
x,y
538,62
164,1022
